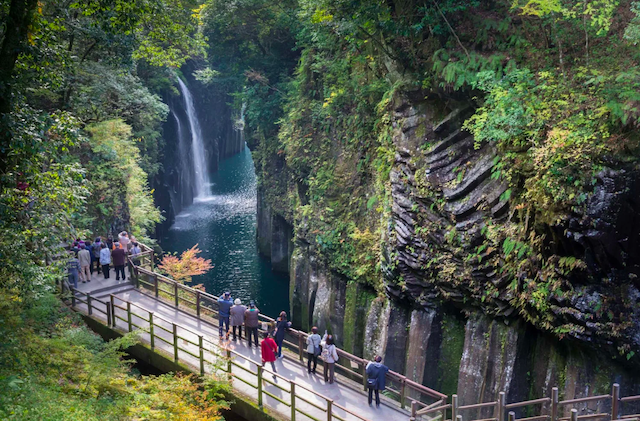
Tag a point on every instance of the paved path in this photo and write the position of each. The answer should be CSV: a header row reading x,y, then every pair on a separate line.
x,y
344,392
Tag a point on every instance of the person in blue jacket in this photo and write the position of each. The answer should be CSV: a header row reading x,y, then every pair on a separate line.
x,y
224,305
376,372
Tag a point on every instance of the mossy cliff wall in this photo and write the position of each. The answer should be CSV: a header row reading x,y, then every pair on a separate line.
x,y
450,314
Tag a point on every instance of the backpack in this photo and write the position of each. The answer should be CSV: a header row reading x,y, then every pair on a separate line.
x,y
325,353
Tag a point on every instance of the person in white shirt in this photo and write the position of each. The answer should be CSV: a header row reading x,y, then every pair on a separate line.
x,y
313,349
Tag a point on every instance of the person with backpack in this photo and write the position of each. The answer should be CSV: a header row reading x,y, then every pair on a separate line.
x,y
282,325
329,356
237,317
251,323
73,267
376,375
313,349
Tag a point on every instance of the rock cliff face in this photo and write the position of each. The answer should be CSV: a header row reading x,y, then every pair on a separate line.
x,y
451,317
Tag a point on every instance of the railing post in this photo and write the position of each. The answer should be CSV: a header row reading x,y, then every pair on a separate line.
x,y
414,408
444,411
500,406
155,284
554,404
260,386
364,376
403,391
459,418
201,347
151,334
175,342
454,407
300,347
129,316
293,401
90,309
329,409
175,291
229,361
113,310
615,400
108,313
512,416
198,303
73,297
574,414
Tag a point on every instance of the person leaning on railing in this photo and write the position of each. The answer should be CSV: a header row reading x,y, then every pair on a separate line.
x,y
224,306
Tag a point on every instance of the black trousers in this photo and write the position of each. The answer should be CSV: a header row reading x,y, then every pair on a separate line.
x,y
371,390
239,331
312,357
120,270
252,331
105,271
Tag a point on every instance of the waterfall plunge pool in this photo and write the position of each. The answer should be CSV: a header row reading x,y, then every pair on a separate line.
x,y
223,225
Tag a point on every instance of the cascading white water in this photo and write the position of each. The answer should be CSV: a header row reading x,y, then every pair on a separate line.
x,y
201,174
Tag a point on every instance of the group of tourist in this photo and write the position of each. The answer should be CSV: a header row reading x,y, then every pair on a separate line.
x,y
233,315
104,253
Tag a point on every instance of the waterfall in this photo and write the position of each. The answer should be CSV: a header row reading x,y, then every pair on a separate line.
x,y
200,170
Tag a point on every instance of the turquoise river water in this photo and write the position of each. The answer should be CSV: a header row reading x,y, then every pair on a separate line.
x,y
224,227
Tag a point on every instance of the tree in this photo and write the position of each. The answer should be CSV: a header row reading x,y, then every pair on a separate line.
x,y
187,265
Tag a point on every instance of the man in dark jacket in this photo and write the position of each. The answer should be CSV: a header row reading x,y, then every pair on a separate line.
x,y
224,307
119,257
251,322
376,372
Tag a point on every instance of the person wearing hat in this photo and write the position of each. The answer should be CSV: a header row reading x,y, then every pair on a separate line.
x,y
224,307
237,317
251,322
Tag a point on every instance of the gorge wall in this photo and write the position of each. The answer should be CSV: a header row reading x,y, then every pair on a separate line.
x,y
451,314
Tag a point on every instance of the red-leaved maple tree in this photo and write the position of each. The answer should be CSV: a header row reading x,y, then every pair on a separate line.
x,y
187,265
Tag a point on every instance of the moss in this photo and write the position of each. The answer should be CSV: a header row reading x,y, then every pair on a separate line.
x,y
358,300
451,353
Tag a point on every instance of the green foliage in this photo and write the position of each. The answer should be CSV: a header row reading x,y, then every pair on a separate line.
x,y
53,368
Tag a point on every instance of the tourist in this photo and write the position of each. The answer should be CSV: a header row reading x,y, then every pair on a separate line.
x,y
251,323
95,254
237,317
376,373
224,306
119,257
105,260
73,266
135,252
84,259
123,239
282,325
109,243
329,356
313,349
269,347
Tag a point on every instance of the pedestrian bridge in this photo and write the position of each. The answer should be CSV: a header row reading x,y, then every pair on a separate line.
x,y
180,323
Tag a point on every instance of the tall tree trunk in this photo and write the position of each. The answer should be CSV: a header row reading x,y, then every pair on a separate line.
x,y
20,17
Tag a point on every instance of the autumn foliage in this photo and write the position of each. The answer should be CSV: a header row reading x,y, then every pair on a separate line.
x,y
187,265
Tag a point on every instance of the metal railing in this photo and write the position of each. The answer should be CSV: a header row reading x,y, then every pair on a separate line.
x,y
205,306
195,350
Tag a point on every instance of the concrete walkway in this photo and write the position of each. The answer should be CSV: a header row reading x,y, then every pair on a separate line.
x,y
343,392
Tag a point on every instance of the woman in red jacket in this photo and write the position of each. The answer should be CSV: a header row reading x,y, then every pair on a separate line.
x,y
269,349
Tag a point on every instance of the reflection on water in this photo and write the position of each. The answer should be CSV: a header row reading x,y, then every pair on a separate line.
x,y
224,226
